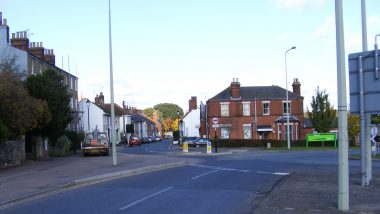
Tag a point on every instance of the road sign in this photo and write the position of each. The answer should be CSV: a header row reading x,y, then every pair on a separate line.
x,y
215,125
215,120
364,61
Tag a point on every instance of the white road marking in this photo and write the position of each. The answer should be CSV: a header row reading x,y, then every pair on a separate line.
x,y
219,168
196,177
145,198
273,173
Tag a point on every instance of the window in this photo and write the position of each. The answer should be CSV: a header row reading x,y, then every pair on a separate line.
x,y
247,131
224,109
246,108
266,109
286,108
225,132
290,131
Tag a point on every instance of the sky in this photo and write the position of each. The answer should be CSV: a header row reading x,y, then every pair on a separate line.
x,y
165,51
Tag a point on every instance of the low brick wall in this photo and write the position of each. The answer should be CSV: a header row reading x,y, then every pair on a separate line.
x,y
12,153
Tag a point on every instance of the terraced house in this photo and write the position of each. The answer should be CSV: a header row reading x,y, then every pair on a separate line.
x,y
32,58
257,112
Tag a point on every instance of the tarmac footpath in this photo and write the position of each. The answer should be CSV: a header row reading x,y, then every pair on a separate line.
x,y
36,179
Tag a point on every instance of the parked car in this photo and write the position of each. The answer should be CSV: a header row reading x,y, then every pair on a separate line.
x,y
189,140
145,140
95,143
201,142
151,139
157,138
134,141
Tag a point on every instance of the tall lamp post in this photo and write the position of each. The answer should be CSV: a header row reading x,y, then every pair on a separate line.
x,y
113,132
287,99
179,130
88,115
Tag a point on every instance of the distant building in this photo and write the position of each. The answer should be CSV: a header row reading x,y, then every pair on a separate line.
x,y
190,122
257,112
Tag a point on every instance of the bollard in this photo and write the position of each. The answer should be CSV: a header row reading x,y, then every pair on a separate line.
x,y
208,147
268,145
185,147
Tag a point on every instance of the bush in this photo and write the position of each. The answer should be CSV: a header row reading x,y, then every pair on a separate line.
x,y
76,138
62,146
3,132
255,143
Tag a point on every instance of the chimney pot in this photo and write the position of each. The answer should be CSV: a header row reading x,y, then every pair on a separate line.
x,y
13,35
25,34
5,22
18,35
1,18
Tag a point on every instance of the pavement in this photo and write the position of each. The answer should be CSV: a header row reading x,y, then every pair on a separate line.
x,y
304,191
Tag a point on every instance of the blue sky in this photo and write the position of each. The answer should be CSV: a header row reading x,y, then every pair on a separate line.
x,y
170,50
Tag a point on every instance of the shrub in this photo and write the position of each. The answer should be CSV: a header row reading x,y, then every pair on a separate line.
x,y
3,132
63,143
76,138
255,143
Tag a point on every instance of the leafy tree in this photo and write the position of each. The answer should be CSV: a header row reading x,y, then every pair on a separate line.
x,y
375,119
322,114
168,123
48,86
18,110
169,110
149,112
175,125
353,122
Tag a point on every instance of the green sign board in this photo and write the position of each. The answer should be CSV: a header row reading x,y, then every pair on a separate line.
x,y
321,137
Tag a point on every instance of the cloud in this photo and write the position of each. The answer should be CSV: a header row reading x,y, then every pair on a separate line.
x,y
300,4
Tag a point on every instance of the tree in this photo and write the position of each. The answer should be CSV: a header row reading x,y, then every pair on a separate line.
x,y
148,112
18,110
353,122
48,86
322,114
375,119
169,110
168,123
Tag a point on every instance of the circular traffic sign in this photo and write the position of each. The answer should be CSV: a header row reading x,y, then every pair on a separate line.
x,y
215,120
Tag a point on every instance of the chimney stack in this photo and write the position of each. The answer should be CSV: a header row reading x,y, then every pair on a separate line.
x,y
296,87
37,49
20,40
192,103
49,56
235,89
4,30
101,98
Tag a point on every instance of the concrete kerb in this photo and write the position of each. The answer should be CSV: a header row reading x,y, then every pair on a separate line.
x,y
89,181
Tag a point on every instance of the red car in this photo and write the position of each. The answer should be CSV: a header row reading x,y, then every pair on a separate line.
x,y
134,141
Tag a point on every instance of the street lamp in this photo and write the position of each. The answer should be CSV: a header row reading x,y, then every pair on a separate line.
x,y
179,132
88,114
287,99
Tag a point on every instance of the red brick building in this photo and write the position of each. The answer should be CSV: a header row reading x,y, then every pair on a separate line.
x,y
256,112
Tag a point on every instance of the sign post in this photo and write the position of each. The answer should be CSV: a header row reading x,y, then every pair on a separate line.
x,y
374,131
215,122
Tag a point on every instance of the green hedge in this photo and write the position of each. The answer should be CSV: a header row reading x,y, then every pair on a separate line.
x,y
263,143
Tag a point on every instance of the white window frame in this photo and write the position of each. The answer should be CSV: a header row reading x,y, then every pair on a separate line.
x,y
224,112
289,107
224,132
247,129
266,102
246,111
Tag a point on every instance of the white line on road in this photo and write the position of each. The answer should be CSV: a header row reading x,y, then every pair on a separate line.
x,y
196,177
273,173
219,168
145,198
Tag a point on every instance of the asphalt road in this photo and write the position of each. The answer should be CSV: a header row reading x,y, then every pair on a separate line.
x,y
233,183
